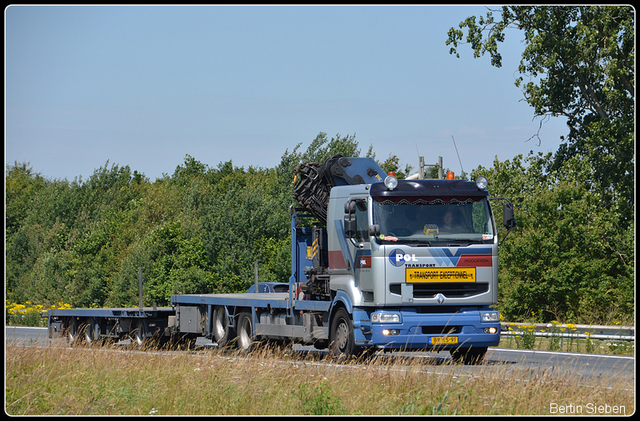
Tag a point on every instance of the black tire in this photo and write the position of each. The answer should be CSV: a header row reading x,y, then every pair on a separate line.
x,y
73,337
244,336
469,356
91,331
222,332
139,337
342,343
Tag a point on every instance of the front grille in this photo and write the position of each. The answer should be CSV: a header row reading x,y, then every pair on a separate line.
x,y
448,289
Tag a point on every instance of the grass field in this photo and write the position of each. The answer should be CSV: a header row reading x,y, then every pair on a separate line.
x,y
102,381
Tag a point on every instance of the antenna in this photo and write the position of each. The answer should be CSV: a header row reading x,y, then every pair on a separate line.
x,y
420,164
460,161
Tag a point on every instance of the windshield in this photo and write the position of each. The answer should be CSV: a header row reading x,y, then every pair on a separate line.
x,y
410,219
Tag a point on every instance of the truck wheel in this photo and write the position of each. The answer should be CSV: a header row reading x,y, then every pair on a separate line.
x,y
222,332
342,342
468,356
245,332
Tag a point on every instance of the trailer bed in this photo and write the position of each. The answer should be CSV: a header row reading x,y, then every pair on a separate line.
x,y
251,299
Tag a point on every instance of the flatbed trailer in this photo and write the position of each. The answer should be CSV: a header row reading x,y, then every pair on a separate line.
x,y
213,316
89,325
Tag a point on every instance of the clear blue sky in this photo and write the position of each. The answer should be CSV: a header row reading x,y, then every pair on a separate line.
x,y
145,86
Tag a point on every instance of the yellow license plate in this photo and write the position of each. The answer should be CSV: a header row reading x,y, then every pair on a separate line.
x,y
441,275
444,340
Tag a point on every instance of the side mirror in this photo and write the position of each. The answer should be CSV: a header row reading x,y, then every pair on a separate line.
x,y
508,218
374,230
350,219
350,226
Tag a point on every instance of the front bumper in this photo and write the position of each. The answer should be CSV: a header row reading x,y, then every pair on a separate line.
x,y
434,331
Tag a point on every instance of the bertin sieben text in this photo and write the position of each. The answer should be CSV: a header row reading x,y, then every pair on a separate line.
x,y
590,408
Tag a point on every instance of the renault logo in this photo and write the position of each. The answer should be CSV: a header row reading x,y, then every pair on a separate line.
x,y
440,298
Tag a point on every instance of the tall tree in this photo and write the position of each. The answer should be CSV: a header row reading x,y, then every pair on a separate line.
x,y
578,62
21,185
567,260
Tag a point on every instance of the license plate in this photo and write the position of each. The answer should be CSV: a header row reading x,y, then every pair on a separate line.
x,y
444,340
441,275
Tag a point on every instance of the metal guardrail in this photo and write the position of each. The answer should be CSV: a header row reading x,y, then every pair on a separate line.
x,y
554,330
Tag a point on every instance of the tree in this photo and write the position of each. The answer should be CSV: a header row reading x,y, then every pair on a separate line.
x,y
318,150
191,168
567,260
392,164
21,185
578,63
572,253
244,213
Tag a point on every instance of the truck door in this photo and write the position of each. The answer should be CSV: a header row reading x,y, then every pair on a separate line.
x,y
358,246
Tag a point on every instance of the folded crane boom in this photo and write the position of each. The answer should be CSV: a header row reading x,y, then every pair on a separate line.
x,y
313,181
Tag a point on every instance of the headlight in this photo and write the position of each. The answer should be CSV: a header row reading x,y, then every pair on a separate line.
x,y
391,182
481,182
490,317
385,318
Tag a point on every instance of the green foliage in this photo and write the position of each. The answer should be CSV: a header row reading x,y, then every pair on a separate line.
x,y
243,211
578,62
572,254
197,231
392,164
319,400
178,264
419,404
21,185
319,150
568,259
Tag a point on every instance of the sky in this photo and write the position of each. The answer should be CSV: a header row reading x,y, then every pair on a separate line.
x,y
145,86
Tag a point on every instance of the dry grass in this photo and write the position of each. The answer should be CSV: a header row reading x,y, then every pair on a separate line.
x,y
103,381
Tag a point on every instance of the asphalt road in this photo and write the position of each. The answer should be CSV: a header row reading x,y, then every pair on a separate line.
x,y
588,368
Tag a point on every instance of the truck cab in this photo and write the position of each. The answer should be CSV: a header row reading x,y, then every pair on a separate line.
x,y
414,264
410,244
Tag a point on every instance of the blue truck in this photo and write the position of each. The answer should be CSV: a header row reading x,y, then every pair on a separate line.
x,y
377,263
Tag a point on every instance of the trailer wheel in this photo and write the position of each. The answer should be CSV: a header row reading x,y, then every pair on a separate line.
x,y
72,331
468,356
91,331
342,342
222,332
245,332
140,334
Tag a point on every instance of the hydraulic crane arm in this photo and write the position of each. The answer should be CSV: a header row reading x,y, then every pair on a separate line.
x,y
313,181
